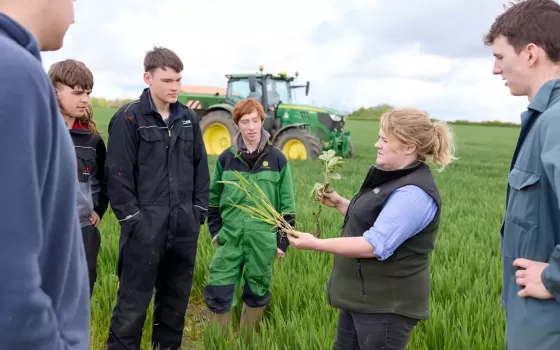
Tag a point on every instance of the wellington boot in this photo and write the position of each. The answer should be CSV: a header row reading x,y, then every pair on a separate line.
x,y
223,319
250,316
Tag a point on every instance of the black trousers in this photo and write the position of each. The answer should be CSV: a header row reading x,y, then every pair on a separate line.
x,y
151,258
363,331
92,243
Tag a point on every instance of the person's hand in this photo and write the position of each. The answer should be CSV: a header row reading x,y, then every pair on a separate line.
x,y
302,240
280,253
94,219
329,198
215,240
530,279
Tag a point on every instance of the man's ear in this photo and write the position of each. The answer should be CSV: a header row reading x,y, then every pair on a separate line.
x,y
148,78
532,53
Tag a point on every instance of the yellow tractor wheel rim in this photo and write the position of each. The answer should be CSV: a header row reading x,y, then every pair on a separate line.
x,y
295,149
216,138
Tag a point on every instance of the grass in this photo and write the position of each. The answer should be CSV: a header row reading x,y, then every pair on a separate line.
x,y
466,267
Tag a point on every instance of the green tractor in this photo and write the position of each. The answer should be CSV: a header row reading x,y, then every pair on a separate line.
x,y
300,131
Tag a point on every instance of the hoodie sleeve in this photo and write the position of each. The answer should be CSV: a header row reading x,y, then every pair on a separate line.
x,y
34,312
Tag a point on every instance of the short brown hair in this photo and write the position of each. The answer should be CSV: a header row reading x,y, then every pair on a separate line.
x,y
74,74
433,140
71,73
529,21
161,57
247,106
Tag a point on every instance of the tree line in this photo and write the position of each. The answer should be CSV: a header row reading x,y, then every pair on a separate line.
x,y
375,113
369,113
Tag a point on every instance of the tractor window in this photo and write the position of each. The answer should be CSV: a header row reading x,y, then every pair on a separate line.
x,y
239,90
278,91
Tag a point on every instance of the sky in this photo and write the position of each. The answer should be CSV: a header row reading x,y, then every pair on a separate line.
x,y
427,54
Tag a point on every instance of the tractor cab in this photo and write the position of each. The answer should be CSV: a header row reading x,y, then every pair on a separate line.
x,y
300,131
270,90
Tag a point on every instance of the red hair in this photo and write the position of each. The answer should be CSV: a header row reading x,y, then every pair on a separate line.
x,y
247,106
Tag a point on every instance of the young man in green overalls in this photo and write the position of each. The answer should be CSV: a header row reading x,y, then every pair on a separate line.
x,y
242,241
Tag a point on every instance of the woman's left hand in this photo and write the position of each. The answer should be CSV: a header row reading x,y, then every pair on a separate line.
x,y
302,240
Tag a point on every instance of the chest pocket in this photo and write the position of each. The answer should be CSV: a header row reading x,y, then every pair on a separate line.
x,y
85,157
521,218
185,138
231,193
153,145
268,181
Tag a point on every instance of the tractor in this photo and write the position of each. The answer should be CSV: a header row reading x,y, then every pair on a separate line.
x,y
300,131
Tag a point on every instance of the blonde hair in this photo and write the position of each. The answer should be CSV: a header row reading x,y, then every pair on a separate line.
x,y
411,126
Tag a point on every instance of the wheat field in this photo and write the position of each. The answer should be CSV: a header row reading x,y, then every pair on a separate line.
x,y
466,266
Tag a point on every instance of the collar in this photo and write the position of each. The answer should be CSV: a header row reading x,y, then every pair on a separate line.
x,y
242,148
377,176
20,35
79,128
173,108
546,93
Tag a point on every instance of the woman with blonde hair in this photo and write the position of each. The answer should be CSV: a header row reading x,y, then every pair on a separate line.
x,y
380,280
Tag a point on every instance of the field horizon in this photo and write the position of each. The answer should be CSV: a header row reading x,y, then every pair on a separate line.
x,y
466,266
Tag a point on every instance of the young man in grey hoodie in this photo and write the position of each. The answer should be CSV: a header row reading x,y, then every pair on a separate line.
x,y
44,301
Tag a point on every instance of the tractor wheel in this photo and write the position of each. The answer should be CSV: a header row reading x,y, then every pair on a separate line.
x,y
218,131
299,144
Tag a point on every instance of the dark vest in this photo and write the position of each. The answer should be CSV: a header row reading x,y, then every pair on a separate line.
x,y
401,283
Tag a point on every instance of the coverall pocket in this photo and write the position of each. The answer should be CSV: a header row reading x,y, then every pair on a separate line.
x,y
152,145
268,181
186,133
522,215
231,193
85,157
185,139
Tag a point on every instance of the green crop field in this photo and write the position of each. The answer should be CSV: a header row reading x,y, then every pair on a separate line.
x,y
466,266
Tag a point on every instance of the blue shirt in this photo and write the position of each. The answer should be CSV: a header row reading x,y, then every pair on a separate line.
x,y
44,298
407,211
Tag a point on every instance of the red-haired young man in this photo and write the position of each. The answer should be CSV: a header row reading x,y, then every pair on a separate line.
x,y
241,240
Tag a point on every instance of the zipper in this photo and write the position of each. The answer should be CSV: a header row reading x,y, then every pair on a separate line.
x,y
258,160
251,171
169,128
361,277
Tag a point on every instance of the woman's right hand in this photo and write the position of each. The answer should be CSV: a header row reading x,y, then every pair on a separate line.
x,y
329,198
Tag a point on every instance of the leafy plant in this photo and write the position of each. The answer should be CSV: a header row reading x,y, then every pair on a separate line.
x,y
331,163
261,209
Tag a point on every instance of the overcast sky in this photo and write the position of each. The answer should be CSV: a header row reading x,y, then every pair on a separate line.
x,y
427,54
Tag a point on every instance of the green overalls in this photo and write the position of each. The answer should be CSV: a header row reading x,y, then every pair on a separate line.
x,y
245,242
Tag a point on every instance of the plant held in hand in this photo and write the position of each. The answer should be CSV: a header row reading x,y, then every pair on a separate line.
x,y
331,163
261,209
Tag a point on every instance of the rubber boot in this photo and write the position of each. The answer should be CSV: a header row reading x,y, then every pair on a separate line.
x,y
250,316
223,319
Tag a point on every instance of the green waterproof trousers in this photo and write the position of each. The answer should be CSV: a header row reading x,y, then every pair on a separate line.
x,y
246,250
